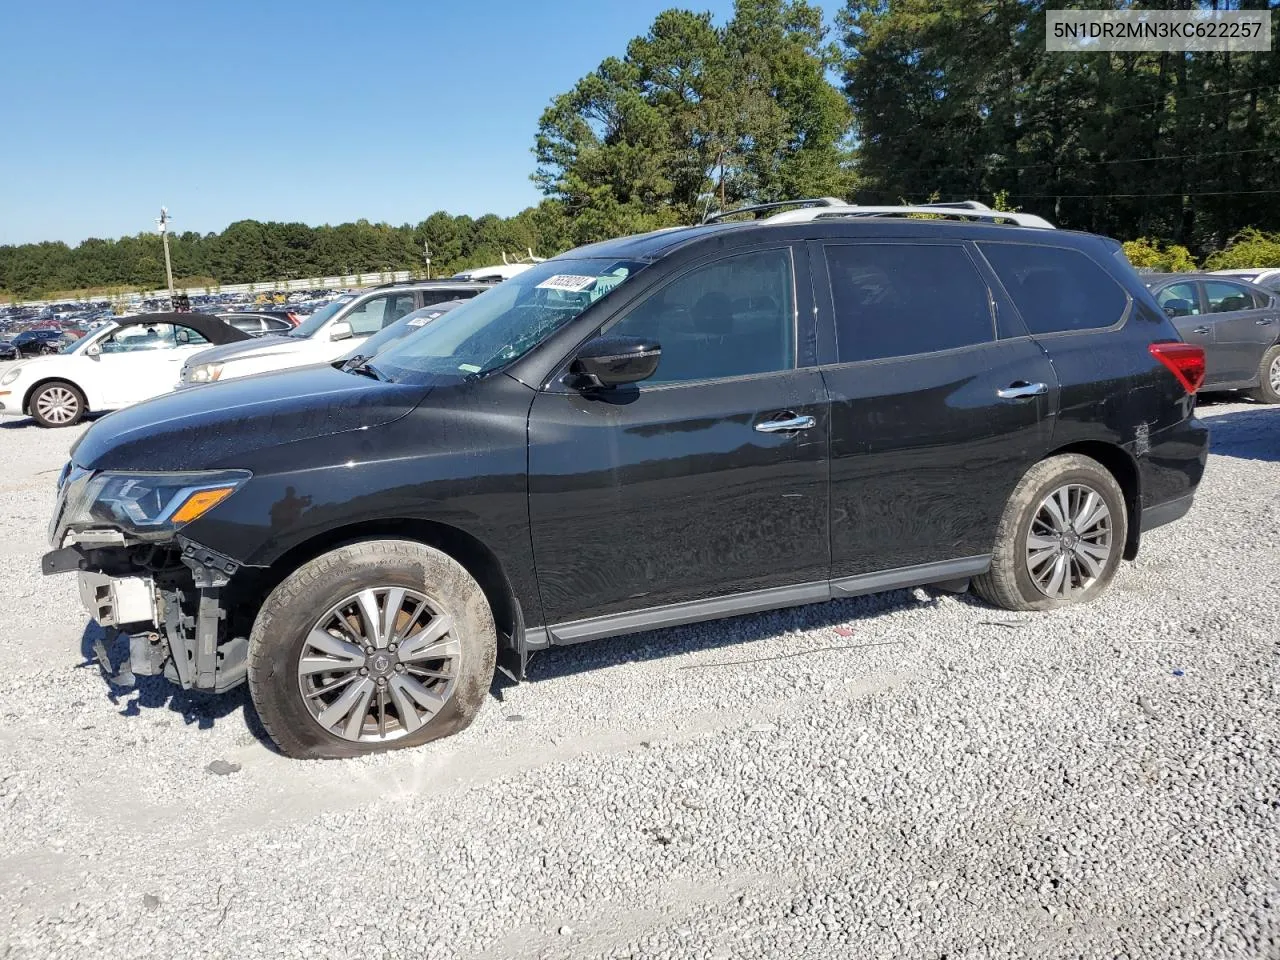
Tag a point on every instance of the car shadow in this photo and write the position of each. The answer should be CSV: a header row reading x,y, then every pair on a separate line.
x,y
196,708
568,660
1249,434
23,423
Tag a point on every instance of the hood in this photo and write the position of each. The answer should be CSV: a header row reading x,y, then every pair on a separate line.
x,y
220,424
252,347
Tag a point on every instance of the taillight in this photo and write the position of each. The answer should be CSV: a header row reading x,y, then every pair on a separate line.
x,y
1186,360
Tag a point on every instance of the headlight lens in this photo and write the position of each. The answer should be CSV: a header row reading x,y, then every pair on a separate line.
x,y
205,373
10,375
148,505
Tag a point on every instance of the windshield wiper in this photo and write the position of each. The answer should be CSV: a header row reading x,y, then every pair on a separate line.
x,y
358,359
366,369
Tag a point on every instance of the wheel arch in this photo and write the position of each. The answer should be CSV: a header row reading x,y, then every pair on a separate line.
x,y
26,397
1121,464
478,560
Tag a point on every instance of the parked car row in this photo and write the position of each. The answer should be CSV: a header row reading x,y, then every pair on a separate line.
x,y
661,429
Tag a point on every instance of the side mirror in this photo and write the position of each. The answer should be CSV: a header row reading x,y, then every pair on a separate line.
x,y
94,350
340,331
613,361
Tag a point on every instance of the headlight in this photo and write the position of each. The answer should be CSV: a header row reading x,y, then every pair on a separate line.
x,y
10,375
205,373
147,505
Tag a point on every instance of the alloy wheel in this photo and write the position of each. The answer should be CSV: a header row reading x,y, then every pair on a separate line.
x,y
1070,541
57,405
1274,374
379,664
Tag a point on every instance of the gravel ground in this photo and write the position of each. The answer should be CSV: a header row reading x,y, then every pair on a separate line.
x,y
902,775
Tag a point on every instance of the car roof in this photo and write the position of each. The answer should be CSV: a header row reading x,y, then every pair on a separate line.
x,y
661,243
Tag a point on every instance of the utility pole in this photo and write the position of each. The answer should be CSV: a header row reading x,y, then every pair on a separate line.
x,y
163,222
426,255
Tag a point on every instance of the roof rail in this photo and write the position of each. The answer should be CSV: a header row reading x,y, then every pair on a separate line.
x,y
965,209
757,207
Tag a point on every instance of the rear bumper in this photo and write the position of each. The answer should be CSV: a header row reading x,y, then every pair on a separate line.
x,y
1167,512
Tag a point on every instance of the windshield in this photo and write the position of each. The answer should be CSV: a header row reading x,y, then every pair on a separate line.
x,y
506,322
74,344
318,319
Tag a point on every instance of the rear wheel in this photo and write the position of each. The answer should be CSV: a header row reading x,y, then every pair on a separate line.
x,y
373,646
1268,388
57,404
1060,539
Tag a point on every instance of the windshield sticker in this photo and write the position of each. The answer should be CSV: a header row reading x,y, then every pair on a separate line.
x,y
468,368
571,283
422,321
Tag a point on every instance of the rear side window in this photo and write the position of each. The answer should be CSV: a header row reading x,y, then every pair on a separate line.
x,y
1057,290
1226,297
896,300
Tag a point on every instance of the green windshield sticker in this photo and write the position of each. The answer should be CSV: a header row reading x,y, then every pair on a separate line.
x,y
468,368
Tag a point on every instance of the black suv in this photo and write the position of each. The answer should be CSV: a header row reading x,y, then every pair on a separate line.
x,y
34,343
656,430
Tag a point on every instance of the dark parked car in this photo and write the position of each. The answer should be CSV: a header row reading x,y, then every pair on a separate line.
x,y
656,430
8,351
35,343
1237,323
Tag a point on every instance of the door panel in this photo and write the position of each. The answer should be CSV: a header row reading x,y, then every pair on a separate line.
x,y
924,452
1241,331
640,498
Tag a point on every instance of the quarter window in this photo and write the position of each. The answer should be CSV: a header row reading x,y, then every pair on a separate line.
x,y
1056,289
1179,300
897,300
730,318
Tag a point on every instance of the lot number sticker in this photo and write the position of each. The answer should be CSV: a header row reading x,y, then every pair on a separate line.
x,y
568,282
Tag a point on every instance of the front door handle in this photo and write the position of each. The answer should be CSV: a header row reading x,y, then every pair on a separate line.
x,y
1266,321
1020,390
1203,331
786,425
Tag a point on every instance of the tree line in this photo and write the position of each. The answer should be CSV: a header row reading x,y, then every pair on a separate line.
x,y
908,100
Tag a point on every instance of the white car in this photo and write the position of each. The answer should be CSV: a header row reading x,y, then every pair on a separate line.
x,y
326,335
123,363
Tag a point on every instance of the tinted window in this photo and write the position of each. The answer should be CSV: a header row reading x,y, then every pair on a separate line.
x,y
730,318
1179,299
1056,289
896,300
378,312
1224,297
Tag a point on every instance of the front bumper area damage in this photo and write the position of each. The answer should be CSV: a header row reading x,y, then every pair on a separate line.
x,y
173,602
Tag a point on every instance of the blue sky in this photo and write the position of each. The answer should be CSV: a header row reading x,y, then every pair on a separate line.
x,y
311,110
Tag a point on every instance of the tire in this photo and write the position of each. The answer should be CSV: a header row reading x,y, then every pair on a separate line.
x,y
1268,388
62,402
1010,583
287,630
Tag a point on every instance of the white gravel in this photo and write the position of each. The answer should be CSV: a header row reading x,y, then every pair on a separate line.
x,y
956,781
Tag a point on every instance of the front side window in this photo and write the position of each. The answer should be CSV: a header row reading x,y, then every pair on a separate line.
x,y
1057,289
378,312
322,316
731,318
1224,297
898,300
1179,300
505,322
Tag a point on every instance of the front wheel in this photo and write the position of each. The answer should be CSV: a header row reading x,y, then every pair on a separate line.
x,y
1060,539
57,404
373,646
1268,388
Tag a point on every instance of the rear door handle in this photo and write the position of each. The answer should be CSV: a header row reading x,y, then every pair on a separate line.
x,y
786,425
1020,390
1266,321
1203,331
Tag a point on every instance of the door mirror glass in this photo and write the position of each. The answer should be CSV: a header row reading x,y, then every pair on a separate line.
x,y
340,331
613,361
